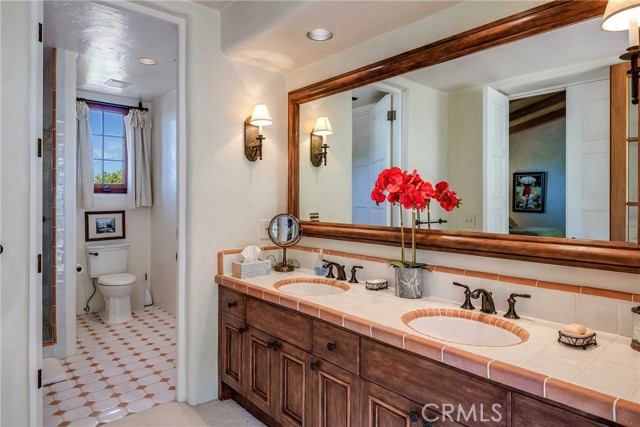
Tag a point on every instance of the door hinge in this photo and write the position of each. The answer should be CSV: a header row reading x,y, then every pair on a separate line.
x,y
39,378
39,147
40,32
39,263
391,115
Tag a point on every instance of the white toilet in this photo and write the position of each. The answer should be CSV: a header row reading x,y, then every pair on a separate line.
x,y
108,264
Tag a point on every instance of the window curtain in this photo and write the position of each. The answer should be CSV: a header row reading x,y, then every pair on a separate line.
x,y
84,169
138,132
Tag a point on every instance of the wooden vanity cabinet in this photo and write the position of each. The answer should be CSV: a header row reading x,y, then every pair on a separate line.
x,y
425,381
292,370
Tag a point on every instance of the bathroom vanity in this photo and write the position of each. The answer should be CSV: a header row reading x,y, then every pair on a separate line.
x,y
347,359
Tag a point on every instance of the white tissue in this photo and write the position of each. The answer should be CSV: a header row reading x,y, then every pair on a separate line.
x,y
251,253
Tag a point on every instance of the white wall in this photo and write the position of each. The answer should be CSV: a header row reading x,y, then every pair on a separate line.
x,y
164,212
327,189
464,157
137,228
541,149
226,194
424,138
15,143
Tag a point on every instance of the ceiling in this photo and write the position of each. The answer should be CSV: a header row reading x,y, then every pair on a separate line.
x,y
577,53
108,42
271,34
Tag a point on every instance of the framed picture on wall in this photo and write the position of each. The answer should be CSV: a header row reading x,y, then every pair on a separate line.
x,y
529,191
104,225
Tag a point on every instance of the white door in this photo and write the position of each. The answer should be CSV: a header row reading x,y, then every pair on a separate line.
x,y
495,161
362,185
380,156
588,161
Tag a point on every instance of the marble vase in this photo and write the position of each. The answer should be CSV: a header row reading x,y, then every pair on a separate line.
x,y
409,282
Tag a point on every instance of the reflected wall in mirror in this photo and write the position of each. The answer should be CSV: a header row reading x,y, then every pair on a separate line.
x,y
538,104
462,160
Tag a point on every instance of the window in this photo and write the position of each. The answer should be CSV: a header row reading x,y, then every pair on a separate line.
x,y
109,148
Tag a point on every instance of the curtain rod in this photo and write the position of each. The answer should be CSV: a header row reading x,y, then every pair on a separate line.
x,y
110,104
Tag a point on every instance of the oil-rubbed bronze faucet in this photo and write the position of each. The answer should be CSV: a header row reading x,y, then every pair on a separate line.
x,y
467,297
511,313
340,268
488,305
355,268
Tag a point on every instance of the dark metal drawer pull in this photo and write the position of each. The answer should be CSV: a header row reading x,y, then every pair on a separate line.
x,y
314,366
232,304
331,346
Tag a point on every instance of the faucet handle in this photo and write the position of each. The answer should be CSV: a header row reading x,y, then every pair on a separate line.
x,y
520,295
511,313
353,273
329,268
467,297
466,288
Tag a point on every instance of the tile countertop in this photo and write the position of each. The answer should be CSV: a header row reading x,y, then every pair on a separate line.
x,y
603,380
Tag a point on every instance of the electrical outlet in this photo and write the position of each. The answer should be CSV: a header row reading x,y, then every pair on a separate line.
x,y
469,221
264,226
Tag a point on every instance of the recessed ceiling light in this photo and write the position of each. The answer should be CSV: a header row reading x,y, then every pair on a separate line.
x,y
319,34
147,61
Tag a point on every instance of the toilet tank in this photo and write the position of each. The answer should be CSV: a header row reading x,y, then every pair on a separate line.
x,y
107,258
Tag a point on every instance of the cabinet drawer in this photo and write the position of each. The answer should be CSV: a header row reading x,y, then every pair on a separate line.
x,y
529,412
231,303
280,322
423,381
337,346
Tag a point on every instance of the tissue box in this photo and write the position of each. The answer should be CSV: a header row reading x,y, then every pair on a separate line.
x,y
249,269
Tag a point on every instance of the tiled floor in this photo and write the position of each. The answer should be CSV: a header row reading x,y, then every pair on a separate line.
x,y
117,370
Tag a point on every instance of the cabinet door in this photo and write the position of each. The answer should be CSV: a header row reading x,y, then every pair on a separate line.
x,y
232,350
261,384
293,374
384,408
336,396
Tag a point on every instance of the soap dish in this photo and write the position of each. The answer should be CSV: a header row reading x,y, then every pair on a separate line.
x,y
575,340
376,284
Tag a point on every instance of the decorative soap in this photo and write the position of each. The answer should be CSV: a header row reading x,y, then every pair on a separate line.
x,y
575,328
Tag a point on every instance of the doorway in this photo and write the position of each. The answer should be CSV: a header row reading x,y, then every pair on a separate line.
x,y
177,161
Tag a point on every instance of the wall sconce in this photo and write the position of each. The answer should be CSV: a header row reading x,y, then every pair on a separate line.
x,y
319,141
253,132
622,15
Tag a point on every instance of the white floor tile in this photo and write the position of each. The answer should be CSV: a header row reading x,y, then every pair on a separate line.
x,y
116,365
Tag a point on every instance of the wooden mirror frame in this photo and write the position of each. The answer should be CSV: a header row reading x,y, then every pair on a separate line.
x,y
604,255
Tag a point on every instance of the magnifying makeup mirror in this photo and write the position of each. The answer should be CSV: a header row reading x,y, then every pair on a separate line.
x,y
284,230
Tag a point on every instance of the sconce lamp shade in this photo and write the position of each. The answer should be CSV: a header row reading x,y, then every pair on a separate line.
x,y
261,115
619,13
323,127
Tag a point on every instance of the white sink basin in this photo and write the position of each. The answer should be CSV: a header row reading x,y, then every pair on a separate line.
x,y
311,287
464,327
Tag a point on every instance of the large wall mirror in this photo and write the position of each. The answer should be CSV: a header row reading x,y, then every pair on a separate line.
x,y
527,118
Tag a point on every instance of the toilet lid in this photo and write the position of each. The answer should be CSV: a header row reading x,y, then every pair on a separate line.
x,y
119,279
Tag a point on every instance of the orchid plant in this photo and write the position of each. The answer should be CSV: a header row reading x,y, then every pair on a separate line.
x,y
410,191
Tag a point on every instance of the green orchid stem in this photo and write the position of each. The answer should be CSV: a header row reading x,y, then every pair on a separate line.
x,y
413,236
402,237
